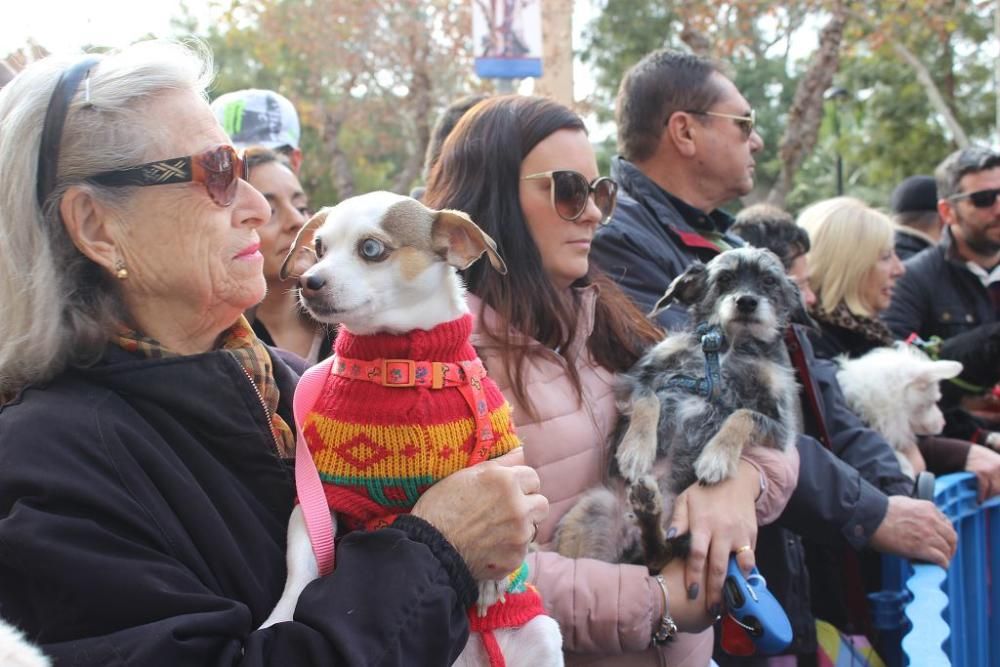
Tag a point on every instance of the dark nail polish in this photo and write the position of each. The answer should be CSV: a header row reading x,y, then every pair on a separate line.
x,y
693,591
671,533
715,611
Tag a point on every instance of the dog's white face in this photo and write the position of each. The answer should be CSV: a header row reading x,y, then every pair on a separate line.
x,y
384,263
895,390
921,393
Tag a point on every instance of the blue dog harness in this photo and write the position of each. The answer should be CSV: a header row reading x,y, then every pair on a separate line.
x,y
709,386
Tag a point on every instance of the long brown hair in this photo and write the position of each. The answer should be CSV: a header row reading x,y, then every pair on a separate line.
x,y
479,173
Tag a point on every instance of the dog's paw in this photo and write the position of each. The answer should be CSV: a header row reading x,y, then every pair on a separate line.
x,y
644,496
490,592
713,467
634,460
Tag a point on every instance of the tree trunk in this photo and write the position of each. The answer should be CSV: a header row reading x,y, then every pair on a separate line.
x,y
806,114
925,79
420,110
340,164
933,94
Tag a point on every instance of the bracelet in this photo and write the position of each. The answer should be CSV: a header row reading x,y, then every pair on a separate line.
x,y
667,628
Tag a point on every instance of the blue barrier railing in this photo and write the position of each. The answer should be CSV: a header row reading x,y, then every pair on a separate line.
x,y
948,617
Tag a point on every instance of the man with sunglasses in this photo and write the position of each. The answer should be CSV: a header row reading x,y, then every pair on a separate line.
x,y
687,142
952,290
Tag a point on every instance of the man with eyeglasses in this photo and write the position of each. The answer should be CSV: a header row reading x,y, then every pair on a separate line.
x,y
952,290
687,142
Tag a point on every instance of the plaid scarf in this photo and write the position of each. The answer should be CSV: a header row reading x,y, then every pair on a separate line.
x,y
239,341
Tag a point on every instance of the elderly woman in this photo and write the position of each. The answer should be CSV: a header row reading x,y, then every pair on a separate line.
x,y
279,320
144,490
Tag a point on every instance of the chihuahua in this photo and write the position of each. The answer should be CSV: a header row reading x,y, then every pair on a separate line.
x,y
405,400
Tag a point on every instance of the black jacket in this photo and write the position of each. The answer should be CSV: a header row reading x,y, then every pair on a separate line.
x,y
938,296
909,242
143,513
648,243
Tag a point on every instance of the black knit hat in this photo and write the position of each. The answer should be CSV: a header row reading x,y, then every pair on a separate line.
x,y
916,193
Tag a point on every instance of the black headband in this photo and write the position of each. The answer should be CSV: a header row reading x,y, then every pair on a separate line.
x,y
55,118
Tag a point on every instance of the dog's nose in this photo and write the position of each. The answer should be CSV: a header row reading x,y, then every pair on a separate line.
x,y
311,283
746,304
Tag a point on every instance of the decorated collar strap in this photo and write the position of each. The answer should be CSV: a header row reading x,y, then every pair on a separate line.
x,y
466,376
709,386
408,373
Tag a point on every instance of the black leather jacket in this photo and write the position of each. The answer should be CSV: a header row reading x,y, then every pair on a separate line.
x,y
143,512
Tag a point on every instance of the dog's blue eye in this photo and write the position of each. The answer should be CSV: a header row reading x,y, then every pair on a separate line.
x,y
372,249
770,281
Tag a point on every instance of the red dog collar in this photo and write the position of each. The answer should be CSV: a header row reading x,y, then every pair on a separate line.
x,y
467,376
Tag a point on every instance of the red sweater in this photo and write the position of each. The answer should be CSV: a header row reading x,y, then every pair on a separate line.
x,y
378,448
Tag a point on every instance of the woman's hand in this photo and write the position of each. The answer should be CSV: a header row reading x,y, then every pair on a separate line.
x,y
721,519
488,513
689,615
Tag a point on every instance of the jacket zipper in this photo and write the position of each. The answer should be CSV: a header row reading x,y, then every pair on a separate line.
x,y
267,415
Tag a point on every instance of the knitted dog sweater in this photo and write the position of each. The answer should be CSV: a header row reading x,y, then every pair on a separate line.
x,y
378,448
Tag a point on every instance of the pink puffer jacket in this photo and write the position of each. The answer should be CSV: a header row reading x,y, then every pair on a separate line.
x,y
607,612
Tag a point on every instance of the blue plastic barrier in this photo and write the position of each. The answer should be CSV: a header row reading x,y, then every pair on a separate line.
x,y
948,617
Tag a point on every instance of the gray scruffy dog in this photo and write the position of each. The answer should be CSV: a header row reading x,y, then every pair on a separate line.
x,y
691,404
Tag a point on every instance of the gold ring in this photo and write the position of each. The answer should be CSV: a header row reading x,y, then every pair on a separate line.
x,y
745,547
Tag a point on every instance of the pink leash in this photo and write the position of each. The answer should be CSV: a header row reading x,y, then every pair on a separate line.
x,y
315,509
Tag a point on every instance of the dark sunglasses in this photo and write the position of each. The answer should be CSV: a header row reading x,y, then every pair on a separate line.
x,y
980,198
570,191
218,169
746,123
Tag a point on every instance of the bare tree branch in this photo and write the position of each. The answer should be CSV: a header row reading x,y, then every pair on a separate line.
x,y
806,113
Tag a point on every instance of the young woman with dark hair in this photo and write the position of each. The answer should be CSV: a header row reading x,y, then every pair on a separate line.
x,y
553,332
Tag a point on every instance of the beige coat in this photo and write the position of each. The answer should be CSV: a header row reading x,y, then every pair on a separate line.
x,y
607,612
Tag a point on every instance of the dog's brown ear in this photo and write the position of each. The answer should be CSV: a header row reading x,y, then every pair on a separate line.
x,y
461,241
686,288
301,256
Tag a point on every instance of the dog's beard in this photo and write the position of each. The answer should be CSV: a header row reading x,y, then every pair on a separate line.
x,y
762,324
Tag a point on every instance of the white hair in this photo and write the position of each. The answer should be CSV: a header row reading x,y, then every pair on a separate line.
x,y
58,307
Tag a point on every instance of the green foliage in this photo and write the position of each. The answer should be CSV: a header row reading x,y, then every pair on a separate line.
x,y
623,32
368,79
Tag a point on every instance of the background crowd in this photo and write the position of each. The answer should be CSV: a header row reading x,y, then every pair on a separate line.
x,y
145,523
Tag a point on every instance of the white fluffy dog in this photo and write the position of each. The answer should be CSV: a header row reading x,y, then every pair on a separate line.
x,y
895,391
15,651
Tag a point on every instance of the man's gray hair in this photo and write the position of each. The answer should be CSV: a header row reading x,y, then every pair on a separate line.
x,y
58,307
968,160
655,88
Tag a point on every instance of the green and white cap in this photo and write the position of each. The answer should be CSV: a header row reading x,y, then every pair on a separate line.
x,y
256,117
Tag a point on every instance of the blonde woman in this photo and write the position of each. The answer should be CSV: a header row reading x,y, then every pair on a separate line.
x,y
853,269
